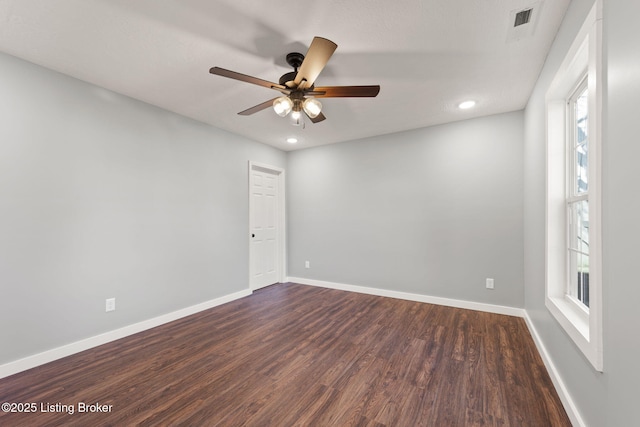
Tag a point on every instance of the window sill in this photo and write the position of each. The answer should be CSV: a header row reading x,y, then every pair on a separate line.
x,y
570,316
576,324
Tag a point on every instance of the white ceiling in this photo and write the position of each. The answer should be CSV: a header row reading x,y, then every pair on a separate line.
x,y
427,56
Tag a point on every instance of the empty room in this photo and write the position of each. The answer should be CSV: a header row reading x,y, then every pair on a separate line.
x,y
227,213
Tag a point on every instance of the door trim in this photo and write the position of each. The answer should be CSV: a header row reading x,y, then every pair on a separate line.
x,y
282,229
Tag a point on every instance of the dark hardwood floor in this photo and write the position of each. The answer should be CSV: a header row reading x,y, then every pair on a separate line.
x,y
294,355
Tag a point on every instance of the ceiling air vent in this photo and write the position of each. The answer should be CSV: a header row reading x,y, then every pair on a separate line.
x,y
523,17
521,24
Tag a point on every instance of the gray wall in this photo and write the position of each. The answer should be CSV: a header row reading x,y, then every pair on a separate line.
x,y
432,211
104,196
621,230
608,398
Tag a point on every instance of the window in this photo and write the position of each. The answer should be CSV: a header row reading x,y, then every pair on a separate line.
x,y
573,242
578,194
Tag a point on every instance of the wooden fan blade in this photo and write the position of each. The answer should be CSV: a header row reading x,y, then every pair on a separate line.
x,y
346,91
320,117
317,57
259,107
248,79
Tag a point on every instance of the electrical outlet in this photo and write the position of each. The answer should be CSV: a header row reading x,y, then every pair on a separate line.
x,y
307,264
489,283
110,304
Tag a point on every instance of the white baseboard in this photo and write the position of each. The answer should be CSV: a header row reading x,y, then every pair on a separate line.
x,y
470,305
35,360
561,388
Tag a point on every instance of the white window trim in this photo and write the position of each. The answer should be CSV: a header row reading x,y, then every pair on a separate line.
x,y
583,325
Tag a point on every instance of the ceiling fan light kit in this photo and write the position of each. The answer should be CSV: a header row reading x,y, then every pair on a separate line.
x,y
312,107
297,87
296,119
282,106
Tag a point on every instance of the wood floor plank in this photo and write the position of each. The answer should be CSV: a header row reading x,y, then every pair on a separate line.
x,y
294,355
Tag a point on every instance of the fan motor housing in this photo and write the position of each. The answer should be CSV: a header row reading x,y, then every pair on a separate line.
x,y
288,77
294,59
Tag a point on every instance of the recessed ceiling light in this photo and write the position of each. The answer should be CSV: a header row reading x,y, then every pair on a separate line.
x,y
466,105
292,140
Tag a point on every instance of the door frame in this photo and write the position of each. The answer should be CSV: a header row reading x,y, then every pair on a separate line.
x,y
281,220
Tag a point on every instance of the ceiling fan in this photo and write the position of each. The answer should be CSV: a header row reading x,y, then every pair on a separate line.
x,y
297,87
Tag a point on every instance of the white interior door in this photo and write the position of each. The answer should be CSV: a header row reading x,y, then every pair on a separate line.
x,y
266,225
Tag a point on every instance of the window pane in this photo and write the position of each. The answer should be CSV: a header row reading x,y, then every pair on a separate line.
x,y
582,217
581,156
583,279
573,273
579,279
579,226
578,252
